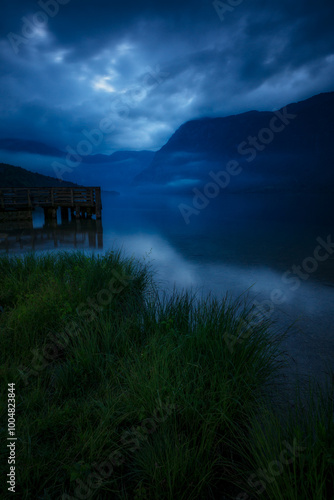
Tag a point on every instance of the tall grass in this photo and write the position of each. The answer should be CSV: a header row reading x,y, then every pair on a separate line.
x,y
289,458
143,397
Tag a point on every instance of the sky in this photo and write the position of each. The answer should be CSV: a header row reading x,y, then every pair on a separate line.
x,y
130,73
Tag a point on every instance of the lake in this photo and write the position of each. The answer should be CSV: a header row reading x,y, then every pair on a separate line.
x,y
274,247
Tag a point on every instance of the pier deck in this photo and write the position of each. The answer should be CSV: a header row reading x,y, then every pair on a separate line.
x,y
82,201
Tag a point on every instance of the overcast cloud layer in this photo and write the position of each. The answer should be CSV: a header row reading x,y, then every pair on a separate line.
x,y
138,70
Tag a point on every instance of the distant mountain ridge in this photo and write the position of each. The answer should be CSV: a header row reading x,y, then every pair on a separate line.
x,y
298,156
11,176
115,170
118,168
120,156
40,148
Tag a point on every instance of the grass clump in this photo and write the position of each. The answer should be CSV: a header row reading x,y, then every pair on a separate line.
x,y
290,457
123,393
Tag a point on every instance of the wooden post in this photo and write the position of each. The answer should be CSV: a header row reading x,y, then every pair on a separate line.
x,y
50,215
99,231
64,213
47,214
98,202
91,234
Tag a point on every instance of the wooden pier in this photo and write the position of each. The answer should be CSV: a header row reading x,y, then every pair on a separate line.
x,y
83,202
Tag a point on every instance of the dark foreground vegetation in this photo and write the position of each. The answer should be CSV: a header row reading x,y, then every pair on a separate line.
x,y
121,393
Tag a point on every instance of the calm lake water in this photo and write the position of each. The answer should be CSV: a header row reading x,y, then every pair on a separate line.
x,y
237,243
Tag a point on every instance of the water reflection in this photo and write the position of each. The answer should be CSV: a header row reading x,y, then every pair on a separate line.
x,y
23,236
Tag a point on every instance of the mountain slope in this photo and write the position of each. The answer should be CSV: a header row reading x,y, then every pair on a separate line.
x,y
11,176
291,148
119,168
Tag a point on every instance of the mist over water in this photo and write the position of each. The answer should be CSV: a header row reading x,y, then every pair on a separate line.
x,y
244,245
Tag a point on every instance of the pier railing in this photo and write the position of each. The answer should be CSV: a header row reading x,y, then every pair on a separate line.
x,y
75,198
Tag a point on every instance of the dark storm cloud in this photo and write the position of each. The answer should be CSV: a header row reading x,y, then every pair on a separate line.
x,y
149,66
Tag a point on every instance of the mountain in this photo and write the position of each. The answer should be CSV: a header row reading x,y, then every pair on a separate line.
x,y
115,171
120,156
119,168
289,149
11,176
